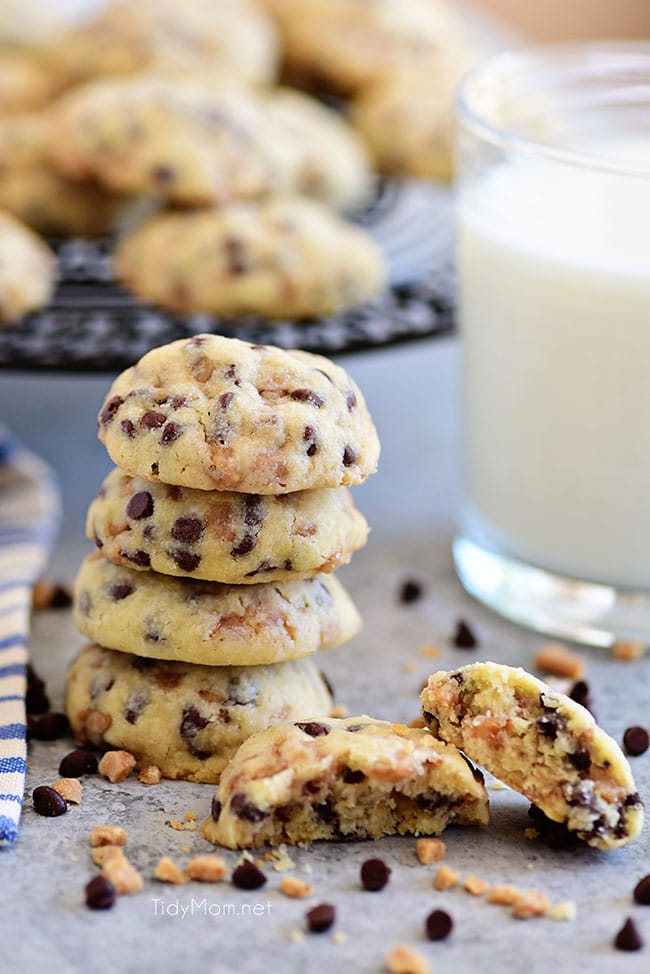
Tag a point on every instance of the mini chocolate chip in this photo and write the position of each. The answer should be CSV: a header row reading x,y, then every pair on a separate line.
x,y
134,706
100,894
238,261
50,726
110,408
548,726
163,174
176,402
351,777
350,400
410,591
231,373
120,590
464,637
438,925
642,891
128,428
140,557
308,395
636,741
350,456
242,808
253,514
580,759
355,727
191,723
628,937
374,874
248,876
225,399
170,433
187,529
78,762
313,728
215,809
320,918
187,561
140,505
243,547
457,677
154,469
151,420
48,802
311,449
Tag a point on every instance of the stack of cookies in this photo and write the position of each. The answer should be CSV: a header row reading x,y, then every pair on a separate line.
x,y
217,535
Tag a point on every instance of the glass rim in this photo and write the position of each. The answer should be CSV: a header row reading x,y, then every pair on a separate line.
x,y
564,53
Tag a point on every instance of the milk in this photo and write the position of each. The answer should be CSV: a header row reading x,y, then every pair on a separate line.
x,y
555,317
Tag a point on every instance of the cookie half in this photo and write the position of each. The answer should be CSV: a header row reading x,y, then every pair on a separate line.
x,y
542,744
224,536
186,719
204,622
219,414
356,778
279,258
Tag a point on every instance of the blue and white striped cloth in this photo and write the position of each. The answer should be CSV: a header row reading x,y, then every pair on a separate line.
x,y
29,517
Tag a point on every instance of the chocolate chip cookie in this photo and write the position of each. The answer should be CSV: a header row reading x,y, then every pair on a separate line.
x,y
356,778
217,413
224,536
542,744
186,719
205,622
28,271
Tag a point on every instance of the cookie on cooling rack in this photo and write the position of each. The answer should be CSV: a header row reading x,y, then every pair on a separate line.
x,y
28,271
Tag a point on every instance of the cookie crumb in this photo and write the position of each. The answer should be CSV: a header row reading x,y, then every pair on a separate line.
x,y
532,834
446,878
533,903
566,910
464,636
628,650
430,850
190,816
207,868
504,895
117,765
296,936
430,651
408,666
339,937
103,853
123,875
279,858
556,659
108,835
69,788
295,888
475,885
168,872
149,774
340,710
404,960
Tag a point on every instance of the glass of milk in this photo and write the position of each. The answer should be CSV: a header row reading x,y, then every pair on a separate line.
x,y
554,284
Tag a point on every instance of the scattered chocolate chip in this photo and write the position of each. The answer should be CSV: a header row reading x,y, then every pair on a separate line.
x,y
350,456
628,937
313,728
140,505
48,802
151,420
187,561
438,925
320,918
36,700
140,557
78,762
100,894
351,777
248,876
636,741
374,874
170,433
215,809
642,891
410,591
110,408
581,693
50,726
120,590
308,395
242,808
464,637
128,428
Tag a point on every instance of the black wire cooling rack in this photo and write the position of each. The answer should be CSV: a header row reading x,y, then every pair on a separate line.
x,y
94,325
